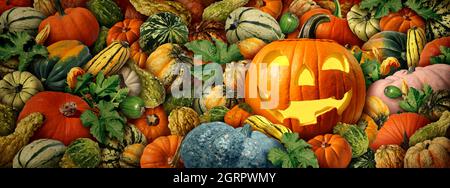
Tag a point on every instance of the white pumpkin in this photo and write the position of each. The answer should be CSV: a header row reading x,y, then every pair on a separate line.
x,y
131,80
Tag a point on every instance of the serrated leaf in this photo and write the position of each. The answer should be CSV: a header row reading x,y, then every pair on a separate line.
x,y
424,12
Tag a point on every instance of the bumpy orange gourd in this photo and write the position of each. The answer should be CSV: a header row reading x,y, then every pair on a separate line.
x,y
153,123
162,153
314,71
332,151
127,30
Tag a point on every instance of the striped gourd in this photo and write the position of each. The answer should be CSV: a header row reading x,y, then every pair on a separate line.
x,y
247,22
162,28
262,124
21,19
110,59
416,41
441,27
106,11
42,153
112,150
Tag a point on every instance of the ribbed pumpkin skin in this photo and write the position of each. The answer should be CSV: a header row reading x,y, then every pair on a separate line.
x,y
21,19
401,21
389,156
388,44
45,6
429,154
106,11
431,49
162,153
162,28
67,54
396,126
332,151
245,19
127,30
363,23
109,60
311,53
84,27
153,123
42,153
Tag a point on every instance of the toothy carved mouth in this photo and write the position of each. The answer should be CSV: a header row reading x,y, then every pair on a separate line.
x,y
306,112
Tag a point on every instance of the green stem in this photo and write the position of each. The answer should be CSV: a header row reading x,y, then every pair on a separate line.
x,y
337,10
59,7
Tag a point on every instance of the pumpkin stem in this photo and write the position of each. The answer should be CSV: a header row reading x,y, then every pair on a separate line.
x,y
337,10
59,7
68,109
175,161
309,28
152,120
246,130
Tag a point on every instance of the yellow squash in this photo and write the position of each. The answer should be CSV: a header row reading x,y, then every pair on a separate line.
x,y
110,59
416,41
263,125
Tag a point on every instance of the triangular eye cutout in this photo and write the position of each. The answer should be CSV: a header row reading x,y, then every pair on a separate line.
x,y
306,77
336,62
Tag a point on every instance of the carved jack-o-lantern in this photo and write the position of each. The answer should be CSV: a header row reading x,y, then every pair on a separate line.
x,y
317,84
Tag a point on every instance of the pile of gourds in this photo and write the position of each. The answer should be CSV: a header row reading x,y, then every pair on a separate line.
x,y
88,83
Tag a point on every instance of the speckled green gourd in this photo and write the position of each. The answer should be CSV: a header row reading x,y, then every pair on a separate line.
x,y
153,92
100,43
81,153
219,11
439,128
7,120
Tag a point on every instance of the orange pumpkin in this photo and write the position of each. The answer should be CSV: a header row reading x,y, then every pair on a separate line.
x,y
272,7
128,31
432,49
395,128
62,113
321,24
238,114
153,123
319,84
332,151
162,153
71,24
401,21
138,55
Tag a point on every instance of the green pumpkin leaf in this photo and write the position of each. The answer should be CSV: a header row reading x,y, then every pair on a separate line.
x,y
371,71
296,153
217,52
22,46
423,11
381,7
443,58
415,98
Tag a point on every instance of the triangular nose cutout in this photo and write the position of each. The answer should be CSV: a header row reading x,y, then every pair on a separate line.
x,y
306,77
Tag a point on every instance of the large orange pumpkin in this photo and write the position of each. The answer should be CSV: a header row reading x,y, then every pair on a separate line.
x,y
432,49
62,113
153,123
395,128
320,83
401,21
162,153
332,151
71,24
127,30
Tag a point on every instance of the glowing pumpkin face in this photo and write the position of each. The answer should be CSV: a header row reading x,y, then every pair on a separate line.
x,y
306,84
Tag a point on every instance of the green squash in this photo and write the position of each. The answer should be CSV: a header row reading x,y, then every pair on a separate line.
x,y
81,153
18,87
438,28
389,44
132,107
64,55
367,160
162,28
174,102
7,120
218,11
100,43
106,11
218,145
19,19
289,22
42,153
363,22
355,136
247,22
216,113
112,150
